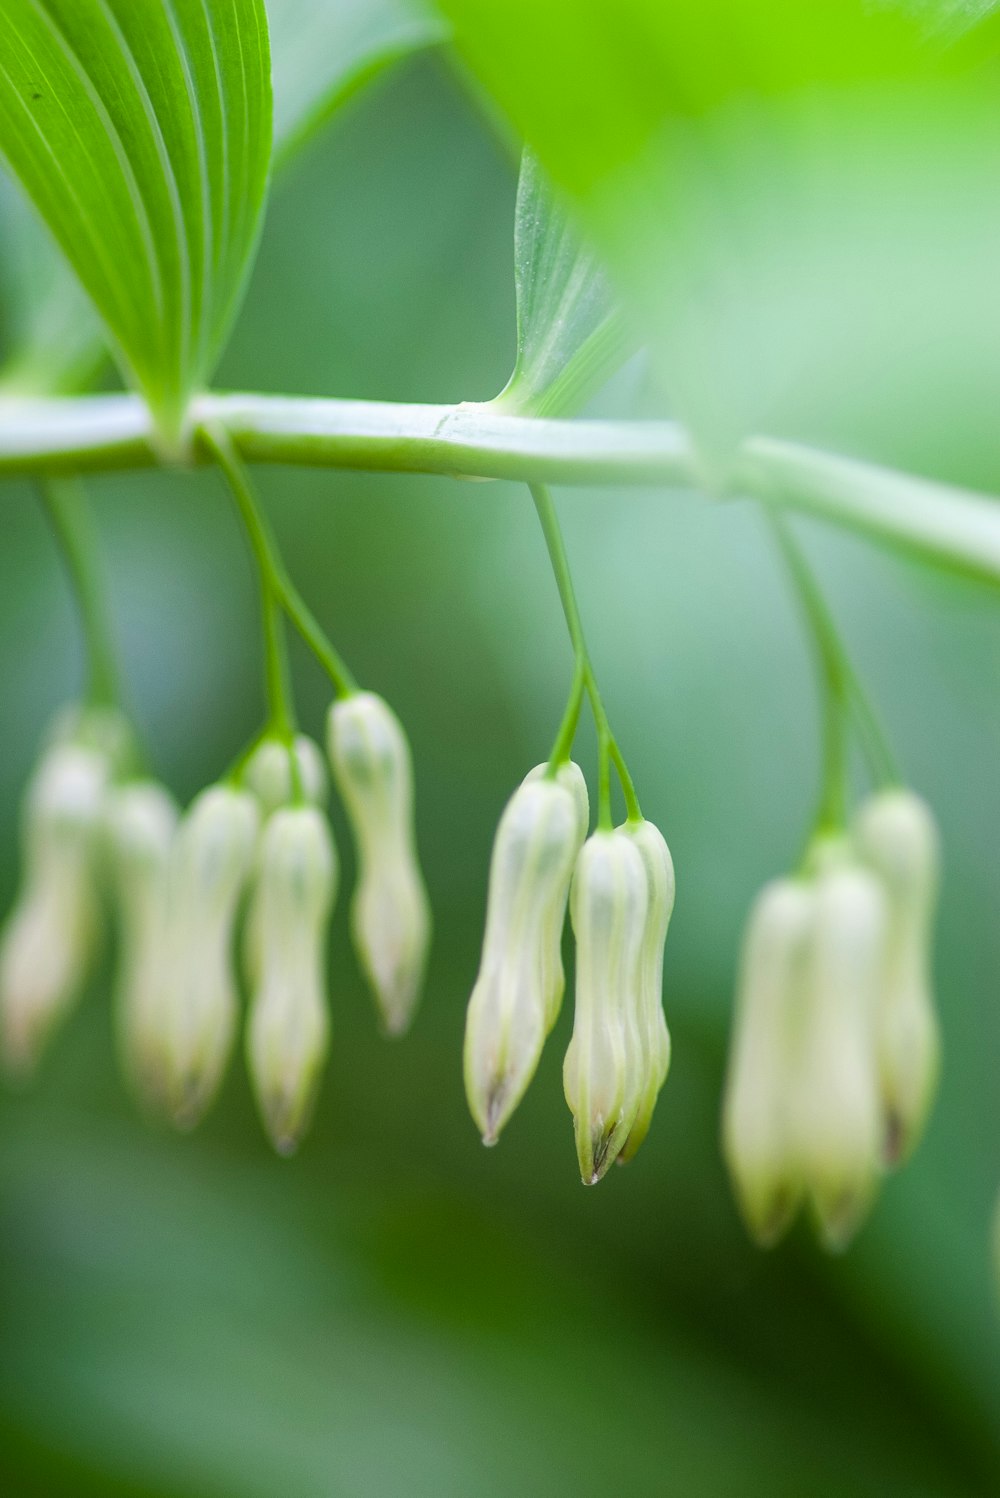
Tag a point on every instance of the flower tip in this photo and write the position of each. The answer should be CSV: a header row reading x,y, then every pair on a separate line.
x,y
185,1101
897,1141
767,1229
393,1025
286,1144
286,1116
496,1114
602,1156
838,1221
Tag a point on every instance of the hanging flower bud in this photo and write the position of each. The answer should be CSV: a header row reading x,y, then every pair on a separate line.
x,y
653,1060
609,907
839,1123
49,938
269,773
211,859
895,832
289,1027
141,820
390,914
758,1119
571,778
520,983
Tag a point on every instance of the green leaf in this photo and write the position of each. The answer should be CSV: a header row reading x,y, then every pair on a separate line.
x,y
142,131
324,52
53,337
571,335
798,201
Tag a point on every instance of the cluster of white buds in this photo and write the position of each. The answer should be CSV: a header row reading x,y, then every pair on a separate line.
x,y
620,886
835,1052
257,846
50,938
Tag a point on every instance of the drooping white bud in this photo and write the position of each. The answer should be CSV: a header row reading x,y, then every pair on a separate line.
x,y
141,820
571,778
288,1028
48,940
269,773
390,912
520,982
211,859
654,1038
895,833
759,1122
602,1079
838,1108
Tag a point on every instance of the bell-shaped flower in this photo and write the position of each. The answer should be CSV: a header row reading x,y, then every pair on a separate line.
x,y
288,1028
759,1115
838,1107
141,820
49,938
609,906
277,779
896,834
520,982
390,913
211,859
654,1038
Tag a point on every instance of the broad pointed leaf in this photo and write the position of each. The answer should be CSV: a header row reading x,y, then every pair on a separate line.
x,y
142,131
571,334
798,200
324,50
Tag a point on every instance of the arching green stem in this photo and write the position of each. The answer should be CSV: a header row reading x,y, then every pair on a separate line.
x,y
584,679
272,566
843,694
66,506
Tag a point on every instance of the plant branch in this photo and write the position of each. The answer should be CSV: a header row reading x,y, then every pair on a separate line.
x,y
583,677
951,528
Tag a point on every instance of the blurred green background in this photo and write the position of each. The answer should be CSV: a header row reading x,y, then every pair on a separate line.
x,y
397,1311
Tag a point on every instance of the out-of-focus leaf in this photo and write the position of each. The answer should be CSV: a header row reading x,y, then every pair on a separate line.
x,y
142,131
571,335
324,51
799,199
52,334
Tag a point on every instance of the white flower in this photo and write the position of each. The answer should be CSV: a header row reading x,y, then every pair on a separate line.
x,y
759,1118
654,1037
211,859
390,914
269,773
520,982
288,1028
571,778
602,1077
141,821
838,1108
49,938
896,834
